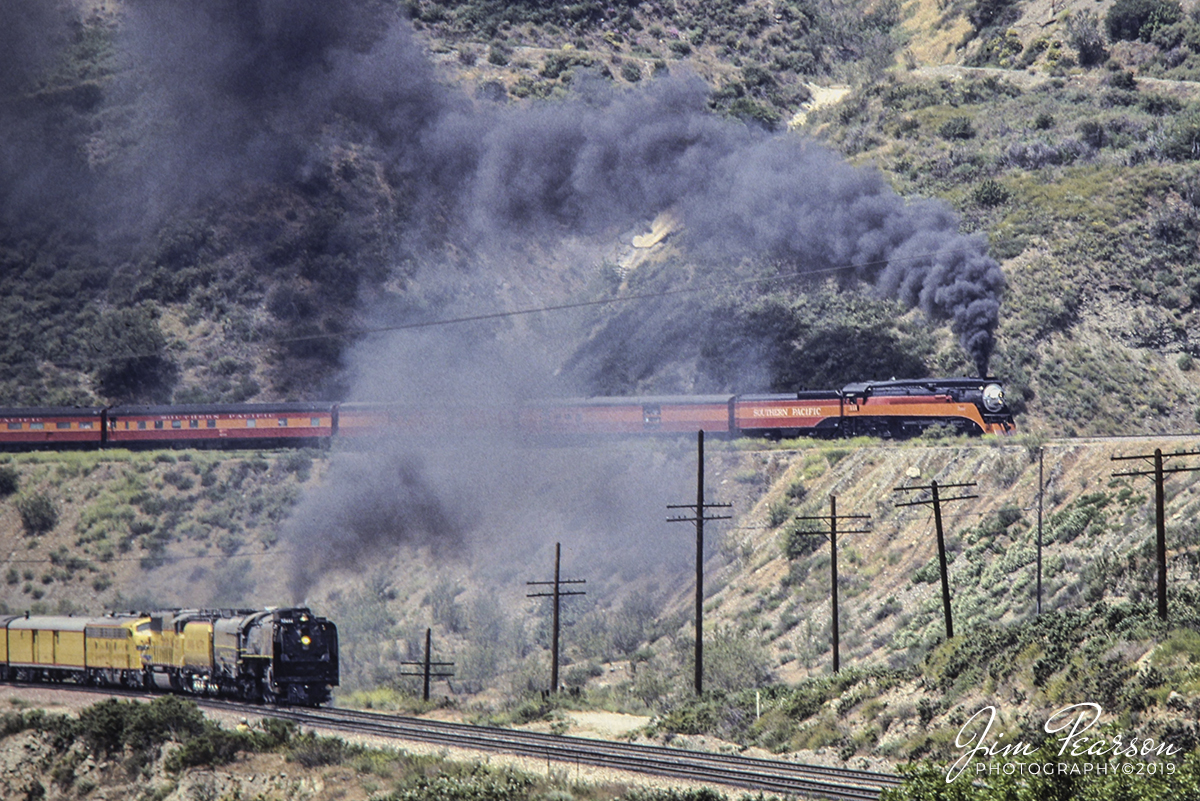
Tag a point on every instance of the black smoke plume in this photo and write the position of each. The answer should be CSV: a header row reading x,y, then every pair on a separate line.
x,y
211,94
250,88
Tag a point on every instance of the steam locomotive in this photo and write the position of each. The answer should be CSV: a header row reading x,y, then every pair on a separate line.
x,y
275,656
896,408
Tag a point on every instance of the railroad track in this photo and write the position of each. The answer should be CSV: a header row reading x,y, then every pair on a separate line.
x,y
765,775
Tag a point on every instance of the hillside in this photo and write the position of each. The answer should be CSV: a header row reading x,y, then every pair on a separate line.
x,y
238,252
165,529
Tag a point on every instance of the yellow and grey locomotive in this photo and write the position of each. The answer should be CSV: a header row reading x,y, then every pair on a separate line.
x,y
280,656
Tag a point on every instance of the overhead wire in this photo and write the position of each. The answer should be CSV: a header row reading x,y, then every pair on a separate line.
x,y
351,333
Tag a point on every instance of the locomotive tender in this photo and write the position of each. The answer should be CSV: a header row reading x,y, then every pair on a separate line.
x,y
277,656
895,408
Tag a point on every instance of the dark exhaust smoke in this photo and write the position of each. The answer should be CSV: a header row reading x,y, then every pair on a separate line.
x,y
213,94
253,88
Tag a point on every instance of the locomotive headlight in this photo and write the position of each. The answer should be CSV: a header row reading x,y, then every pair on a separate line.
x,y
306,641
993,397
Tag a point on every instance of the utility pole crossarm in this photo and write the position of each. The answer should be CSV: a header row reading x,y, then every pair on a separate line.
x,y
427,665
702,506
1116,458
554,594
930,485
928,501
1164,471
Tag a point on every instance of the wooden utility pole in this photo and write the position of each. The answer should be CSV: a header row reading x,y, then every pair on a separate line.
x,y
833,590
1041,495
700,506
557,595
427,665
936,501
1160,524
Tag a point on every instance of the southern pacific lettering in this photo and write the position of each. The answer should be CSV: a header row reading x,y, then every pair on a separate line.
x,y
790,411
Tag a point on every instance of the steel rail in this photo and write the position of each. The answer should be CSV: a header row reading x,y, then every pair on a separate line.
x,y
735,771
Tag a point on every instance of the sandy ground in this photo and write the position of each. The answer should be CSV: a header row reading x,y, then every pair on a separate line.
x,y
821,96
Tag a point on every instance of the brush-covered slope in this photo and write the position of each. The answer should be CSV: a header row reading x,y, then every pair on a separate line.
x,y
217,220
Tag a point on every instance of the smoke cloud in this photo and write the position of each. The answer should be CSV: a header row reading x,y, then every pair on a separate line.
x,y
250,88
212,94
473,492
42,170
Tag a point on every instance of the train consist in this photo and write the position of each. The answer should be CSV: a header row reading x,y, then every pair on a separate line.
x,y
276,656
897,408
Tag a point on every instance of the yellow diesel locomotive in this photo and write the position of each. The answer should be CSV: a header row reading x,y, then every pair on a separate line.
x,y
278,656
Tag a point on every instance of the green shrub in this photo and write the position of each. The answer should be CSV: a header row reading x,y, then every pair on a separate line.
x,y
778,513
133,361
796,491
800,541
499,54
214,746
298,462
957,128
38,512
991,12
1123,79
1083,33
313,751
10,481
989,193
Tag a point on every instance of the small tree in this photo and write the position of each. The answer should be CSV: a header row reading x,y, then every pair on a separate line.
x,y
131,358
1139,19
957,128
992,12
989,193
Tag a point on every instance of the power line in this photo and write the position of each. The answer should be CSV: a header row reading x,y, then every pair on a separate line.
x,y
446,321
709,287
936,501
833,518
427,666
557,595
700,515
